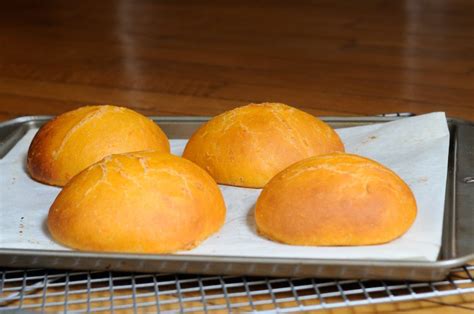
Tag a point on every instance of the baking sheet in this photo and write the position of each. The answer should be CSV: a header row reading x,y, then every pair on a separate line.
x,y
416,148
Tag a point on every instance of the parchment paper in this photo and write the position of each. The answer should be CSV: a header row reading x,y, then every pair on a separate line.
x,y
416,148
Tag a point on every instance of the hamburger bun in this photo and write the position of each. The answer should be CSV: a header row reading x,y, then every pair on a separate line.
x,y
335,199
145,202
76,139
248,145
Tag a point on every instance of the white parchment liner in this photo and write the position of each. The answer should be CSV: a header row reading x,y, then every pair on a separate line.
x,y
416,148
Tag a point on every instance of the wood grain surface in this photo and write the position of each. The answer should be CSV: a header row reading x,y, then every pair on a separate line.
x,y
203,57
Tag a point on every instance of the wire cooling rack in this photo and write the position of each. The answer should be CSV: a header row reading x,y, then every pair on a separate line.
x,y
53,290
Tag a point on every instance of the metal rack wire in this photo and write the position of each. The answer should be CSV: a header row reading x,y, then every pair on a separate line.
x,y
53,290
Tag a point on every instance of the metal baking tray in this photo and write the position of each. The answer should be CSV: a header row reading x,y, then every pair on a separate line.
x,y
457,242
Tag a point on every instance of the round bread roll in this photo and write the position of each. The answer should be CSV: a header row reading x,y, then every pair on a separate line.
x,y
76,139
145,202
247,146
335,199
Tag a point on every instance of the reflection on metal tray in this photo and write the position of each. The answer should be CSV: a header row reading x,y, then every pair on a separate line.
x,y
458,232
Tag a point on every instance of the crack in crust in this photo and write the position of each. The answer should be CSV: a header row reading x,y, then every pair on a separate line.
x,y
235,118
110,163
183,178
144,164
217,154
119,168
288,134
333,168
102,180
87,118
353,173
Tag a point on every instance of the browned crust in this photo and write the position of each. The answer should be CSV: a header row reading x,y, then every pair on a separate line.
x,y
335,199
60,149
145,202
247,146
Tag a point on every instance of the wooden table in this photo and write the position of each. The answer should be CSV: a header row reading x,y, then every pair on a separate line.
x,y
204,57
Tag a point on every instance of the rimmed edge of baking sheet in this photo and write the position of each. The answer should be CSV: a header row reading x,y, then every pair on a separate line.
x,y
457,245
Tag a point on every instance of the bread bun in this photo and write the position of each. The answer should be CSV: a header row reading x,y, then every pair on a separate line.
x,y
247,146
76,139
139,202
335,199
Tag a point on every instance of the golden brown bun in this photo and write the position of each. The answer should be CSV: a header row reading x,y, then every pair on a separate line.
x,y
247,146
145,202
335,199
76,139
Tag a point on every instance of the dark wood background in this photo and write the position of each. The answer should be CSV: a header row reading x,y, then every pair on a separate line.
x,y
203,57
